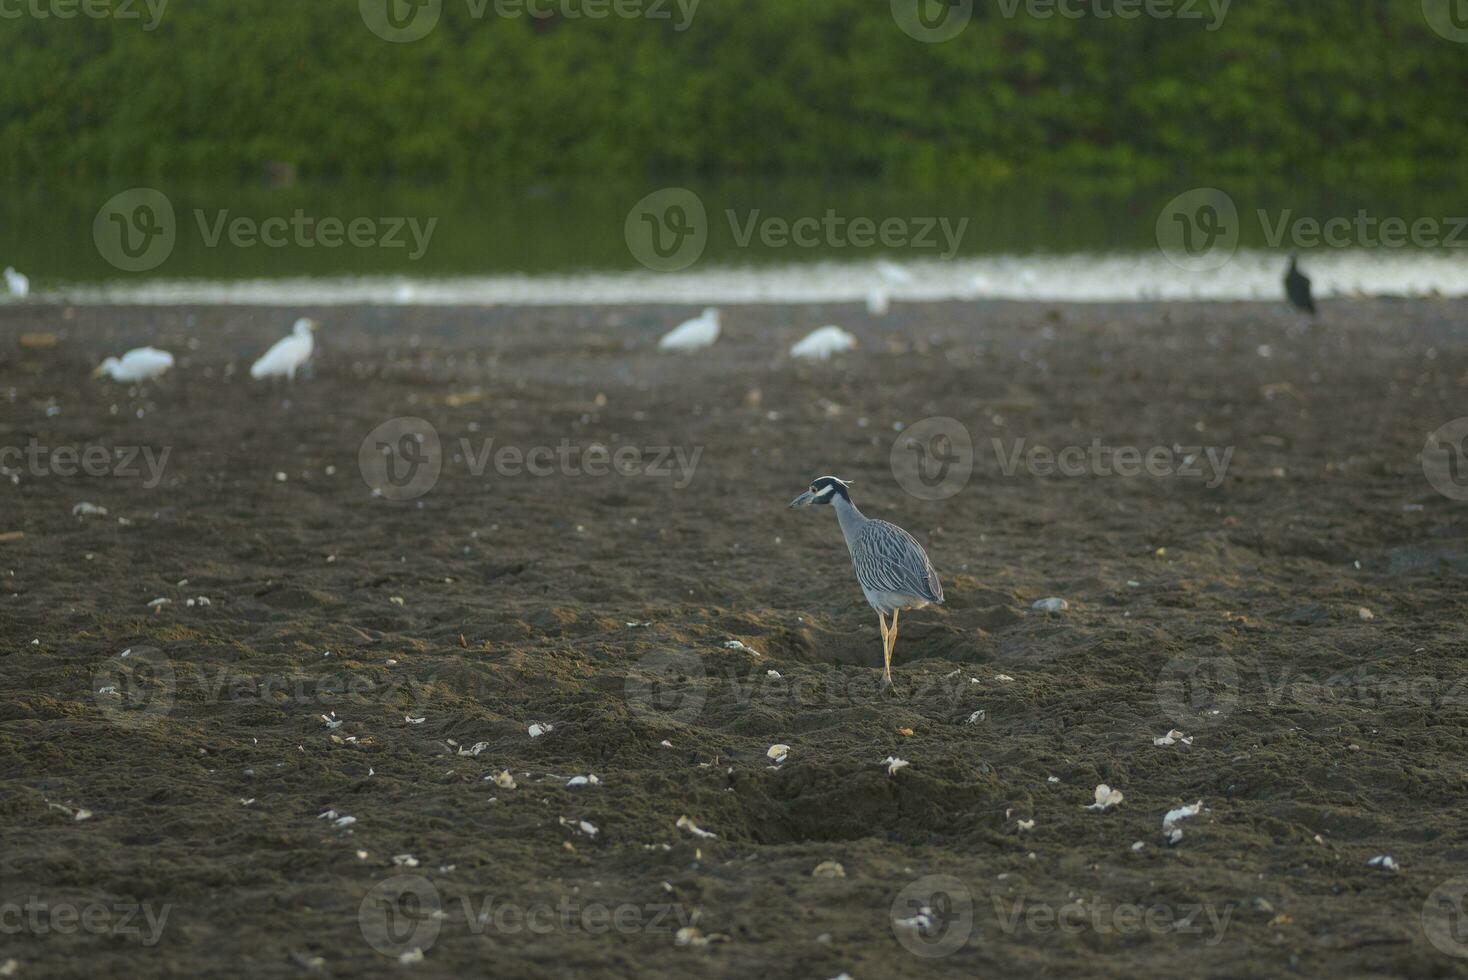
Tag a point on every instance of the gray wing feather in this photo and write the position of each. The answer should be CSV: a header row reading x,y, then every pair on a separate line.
x,y
888,559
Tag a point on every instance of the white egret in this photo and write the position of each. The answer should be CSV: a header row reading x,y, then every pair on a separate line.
x,y
18,285
821,344
693,334
139,364
879,301
287,355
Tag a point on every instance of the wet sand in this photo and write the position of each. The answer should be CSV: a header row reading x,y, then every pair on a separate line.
x,y
1298,614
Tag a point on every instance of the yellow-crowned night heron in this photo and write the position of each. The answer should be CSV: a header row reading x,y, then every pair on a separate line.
x,y
893,569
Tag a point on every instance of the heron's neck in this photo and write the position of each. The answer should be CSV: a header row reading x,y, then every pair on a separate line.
x,y
849,517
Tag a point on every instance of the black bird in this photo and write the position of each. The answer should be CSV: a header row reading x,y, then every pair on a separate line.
x,y
1297,288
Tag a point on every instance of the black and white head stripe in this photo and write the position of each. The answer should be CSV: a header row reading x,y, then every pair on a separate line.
x,y
828,488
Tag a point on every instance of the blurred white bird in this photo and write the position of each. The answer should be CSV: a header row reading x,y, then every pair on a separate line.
x,y
693,334
821,344
879,301
893,273
286,356
19,285
138,364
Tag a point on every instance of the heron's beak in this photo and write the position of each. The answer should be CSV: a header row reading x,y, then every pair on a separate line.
x,y
804,500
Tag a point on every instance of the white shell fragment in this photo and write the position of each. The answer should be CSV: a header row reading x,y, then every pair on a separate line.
x,y
413,721
405,861
538,729
159,603
1106,798
580,826
893,764
1003,678
1025,824
408,958
737,645
1173,737
503,779
1172,818
777,753
1385,862
693,936
976,717
821,344
829,869
86,509
684,823
475,749
1054,604
587,780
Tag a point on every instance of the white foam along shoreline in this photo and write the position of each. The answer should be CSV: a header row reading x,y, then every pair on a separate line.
x,y
1045,278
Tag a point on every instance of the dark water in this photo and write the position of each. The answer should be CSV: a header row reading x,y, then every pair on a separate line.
x,y
54,233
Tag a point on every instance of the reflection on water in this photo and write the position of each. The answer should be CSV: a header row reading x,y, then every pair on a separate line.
x,y
726,241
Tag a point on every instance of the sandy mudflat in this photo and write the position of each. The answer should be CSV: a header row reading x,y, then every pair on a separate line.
x,y
601,604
